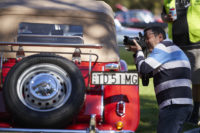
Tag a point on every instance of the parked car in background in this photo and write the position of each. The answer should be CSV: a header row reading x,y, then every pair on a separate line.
x,y
61,70
138,18
122,31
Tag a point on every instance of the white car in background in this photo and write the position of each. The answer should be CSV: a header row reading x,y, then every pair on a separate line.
x,y
125,31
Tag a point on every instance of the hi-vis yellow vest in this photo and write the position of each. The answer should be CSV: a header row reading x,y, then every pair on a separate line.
x,y
169,4
193,19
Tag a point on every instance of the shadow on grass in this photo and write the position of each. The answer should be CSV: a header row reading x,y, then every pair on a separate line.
x,y
148,114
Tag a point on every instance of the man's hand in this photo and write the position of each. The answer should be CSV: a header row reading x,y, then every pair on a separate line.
x,y
135,47
167,18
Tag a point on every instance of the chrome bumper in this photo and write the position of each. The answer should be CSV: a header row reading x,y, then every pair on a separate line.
x,y
27,130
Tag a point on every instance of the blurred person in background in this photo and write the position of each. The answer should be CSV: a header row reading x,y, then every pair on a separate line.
x,y
184,30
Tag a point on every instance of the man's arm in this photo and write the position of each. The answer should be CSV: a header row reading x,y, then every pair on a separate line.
x,y
141,63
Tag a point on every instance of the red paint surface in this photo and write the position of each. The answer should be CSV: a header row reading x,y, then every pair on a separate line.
x,y
93,102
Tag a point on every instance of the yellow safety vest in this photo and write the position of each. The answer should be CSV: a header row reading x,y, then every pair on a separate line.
x,y
193,19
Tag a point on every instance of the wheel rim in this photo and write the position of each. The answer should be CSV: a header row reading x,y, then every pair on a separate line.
x,y
44,87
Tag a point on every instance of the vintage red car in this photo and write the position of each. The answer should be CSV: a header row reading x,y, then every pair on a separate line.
x,y
61,71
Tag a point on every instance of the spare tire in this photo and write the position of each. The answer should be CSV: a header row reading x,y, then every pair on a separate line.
x,y
44,91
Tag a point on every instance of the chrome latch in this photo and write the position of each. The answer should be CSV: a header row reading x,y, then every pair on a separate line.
x,y
76,56
20,53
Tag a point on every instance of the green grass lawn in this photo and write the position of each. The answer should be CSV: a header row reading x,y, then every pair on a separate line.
x,y
148,104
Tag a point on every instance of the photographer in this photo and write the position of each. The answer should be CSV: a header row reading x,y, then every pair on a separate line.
x,y
171,72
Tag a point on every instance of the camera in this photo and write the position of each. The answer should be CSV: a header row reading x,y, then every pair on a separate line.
x,y
141,41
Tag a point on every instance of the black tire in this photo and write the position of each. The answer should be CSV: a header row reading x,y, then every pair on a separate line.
x,y
44,91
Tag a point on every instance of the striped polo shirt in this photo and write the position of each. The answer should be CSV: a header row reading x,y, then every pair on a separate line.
x,y
171,73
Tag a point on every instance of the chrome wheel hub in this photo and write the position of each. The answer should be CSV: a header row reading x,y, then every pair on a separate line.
x,y
44,87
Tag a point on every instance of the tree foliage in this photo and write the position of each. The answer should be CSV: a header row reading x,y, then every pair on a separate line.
x,y
153,5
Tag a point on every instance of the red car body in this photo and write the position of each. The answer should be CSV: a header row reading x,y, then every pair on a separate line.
x,y
104,107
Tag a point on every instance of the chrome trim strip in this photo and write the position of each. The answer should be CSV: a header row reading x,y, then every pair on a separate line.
x,y
13,51
27,130
102,99
89,70
1,61
60,36
102,102
24,130
97,46
1,66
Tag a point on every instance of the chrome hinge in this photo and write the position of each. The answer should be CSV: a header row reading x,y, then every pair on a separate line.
x,y
76,56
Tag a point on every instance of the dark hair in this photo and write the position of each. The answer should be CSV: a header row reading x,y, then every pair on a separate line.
x,y
156,30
